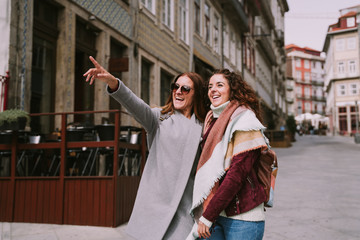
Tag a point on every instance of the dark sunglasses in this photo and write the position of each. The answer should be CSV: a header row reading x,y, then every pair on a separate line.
x,y
184,89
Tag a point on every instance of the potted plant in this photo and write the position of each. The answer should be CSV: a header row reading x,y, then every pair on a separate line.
x,y
13,119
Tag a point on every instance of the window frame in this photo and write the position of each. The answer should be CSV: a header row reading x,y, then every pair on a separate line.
x,y
184,21
207,23
149,5
216,33
167,16
197,16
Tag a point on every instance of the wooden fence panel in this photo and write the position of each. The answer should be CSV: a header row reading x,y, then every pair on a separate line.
x,y
89,201
6,197
127,187
35,203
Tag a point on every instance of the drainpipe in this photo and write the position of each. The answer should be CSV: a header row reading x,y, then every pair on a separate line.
x,y
222,36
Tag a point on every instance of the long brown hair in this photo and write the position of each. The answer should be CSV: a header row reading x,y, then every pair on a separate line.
x,y
241,91
198,100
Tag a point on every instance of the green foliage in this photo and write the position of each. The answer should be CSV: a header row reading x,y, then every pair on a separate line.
x,y
12,115
291,124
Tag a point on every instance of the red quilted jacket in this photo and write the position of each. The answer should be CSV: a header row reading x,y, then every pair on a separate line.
x,y
239,190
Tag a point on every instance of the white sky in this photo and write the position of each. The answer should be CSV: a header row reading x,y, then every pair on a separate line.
x,y
307,21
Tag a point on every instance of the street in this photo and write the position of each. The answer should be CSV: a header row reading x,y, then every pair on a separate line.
x,y
317,190
316,197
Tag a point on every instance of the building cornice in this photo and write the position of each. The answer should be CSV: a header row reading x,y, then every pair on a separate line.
x,y
333,80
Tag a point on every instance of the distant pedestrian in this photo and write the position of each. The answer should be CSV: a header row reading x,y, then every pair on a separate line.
x,y
163,201
228,201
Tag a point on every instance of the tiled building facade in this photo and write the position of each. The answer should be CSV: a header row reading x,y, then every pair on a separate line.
x,y
305,81
146,44
342,80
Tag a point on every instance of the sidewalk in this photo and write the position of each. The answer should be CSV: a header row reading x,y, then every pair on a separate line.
x,y
316,197
32,231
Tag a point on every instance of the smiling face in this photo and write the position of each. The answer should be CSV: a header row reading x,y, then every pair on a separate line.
x,y
182,100
218,90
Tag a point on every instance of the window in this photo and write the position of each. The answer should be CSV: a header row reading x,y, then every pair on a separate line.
x,y
238,55
298,62
341,89
339,44
145,80
226,41
307,107
167,14
216,39
166,80
350,22
183,27
343,123
342,109
232,47
207,23
197,16
353,89
319,65
298,75
314,92
248,55
352,67
341,68
307,91
299,107
313,76
149,4
307,64
298,90
307,76
351,43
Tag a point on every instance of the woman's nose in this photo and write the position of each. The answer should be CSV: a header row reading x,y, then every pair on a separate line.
x,y
178,91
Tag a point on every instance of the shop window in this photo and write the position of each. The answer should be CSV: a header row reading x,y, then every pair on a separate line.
x,y
43,70
118,63
343,123
145,80
86,36
166,80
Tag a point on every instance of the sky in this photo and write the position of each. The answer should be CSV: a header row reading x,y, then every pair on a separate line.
x,y
307,21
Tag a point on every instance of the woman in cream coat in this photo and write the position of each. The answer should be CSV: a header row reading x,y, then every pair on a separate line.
x,y
163,201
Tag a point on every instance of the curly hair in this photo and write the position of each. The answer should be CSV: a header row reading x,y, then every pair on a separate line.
x,y
199,108
241,91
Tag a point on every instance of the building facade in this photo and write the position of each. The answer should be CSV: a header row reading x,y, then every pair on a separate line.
x,y
146,44
342,80
305,81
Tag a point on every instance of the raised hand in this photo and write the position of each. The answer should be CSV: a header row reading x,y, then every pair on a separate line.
x,y
98,72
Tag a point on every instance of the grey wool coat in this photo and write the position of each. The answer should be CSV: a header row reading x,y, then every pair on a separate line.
x,y
163,201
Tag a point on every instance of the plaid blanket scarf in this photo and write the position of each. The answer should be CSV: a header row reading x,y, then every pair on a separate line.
x,y
236,130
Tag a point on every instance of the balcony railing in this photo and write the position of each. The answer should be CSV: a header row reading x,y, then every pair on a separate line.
x,y
84,169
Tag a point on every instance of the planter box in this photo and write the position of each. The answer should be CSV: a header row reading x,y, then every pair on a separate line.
x,y
14,126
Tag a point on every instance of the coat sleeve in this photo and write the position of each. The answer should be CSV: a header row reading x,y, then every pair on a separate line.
x,y
141,111
240,167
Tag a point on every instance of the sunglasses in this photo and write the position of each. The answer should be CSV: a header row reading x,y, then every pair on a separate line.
x,y
184,89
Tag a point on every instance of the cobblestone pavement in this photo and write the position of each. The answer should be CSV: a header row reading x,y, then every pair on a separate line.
x,y
316,198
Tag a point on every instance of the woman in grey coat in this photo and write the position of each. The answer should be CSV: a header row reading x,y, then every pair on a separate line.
x,y
163,201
